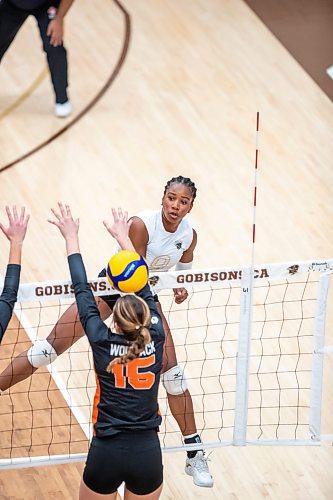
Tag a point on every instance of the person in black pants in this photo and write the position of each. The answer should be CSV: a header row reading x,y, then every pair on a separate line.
x,y
50,18
15,232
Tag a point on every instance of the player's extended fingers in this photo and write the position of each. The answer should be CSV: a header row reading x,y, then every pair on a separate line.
x,y
9,215
53,222
25,223
68,211
22,216
56,214
61,208
15,216
50,29
120,213
52,34
115,215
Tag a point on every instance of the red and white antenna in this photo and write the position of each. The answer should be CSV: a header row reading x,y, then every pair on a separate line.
x,y
255,192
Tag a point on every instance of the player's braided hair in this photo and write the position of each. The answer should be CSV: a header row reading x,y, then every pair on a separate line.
x,y
186,181
132,316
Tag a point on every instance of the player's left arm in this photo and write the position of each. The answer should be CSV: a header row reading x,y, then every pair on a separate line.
x,y
184,264
55,29
15,233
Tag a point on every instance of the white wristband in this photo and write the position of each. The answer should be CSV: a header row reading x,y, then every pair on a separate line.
x,y
183,266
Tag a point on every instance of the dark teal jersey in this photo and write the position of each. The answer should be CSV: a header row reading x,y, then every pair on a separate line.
x,y
126,399
9,296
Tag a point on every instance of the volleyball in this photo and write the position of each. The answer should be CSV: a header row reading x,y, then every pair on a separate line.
x,y
127,271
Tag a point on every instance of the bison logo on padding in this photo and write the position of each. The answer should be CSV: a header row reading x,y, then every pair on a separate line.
x,y
293,269
153,280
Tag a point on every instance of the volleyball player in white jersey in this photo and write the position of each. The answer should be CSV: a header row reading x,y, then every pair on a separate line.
x,y
166,239
164,249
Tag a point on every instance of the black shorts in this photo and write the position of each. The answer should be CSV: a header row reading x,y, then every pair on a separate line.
x,y
131,457
112,299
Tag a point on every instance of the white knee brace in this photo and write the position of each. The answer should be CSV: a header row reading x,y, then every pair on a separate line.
x,y
41,353
174,381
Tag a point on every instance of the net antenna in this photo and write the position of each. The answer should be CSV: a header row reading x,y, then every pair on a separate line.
x,y
255,196
246,310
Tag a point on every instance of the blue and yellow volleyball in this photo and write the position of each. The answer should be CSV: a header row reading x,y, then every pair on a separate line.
x,y
127,271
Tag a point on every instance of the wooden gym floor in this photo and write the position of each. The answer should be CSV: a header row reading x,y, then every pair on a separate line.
x,y
163,88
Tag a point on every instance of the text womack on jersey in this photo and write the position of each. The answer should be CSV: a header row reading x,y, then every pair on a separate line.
x,y
119,350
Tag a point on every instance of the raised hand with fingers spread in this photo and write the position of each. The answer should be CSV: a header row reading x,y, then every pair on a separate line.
x,y
119,230
15,232
68,227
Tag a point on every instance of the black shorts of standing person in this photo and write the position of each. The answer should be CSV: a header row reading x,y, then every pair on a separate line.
x,y
134,458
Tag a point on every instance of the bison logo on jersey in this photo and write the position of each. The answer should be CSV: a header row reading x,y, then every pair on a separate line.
x,y
178,244
293,269
153,280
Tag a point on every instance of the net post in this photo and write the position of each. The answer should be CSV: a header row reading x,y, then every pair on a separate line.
x,y
318,357
243,358
245,323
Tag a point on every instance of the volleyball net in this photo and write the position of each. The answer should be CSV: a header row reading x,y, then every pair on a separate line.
x,y
255,344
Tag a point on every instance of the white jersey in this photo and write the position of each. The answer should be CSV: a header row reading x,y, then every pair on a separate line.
x,y
164,249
